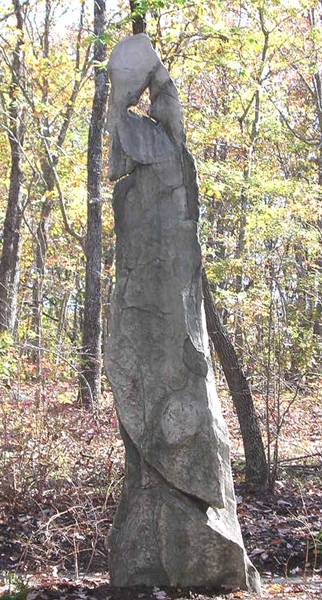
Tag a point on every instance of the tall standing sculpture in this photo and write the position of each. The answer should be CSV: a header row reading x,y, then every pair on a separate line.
x,y
176,523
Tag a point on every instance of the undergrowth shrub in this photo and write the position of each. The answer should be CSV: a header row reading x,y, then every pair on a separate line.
x,y
61,470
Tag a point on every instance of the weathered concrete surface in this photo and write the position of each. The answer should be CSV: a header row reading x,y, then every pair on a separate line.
x,y
176,523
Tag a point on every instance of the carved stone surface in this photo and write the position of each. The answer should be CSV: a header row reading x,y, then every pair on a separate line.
x,y
176,523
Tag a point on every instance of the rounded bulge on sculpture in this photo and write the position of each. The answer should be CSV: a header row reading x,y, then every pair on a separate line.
x,y
183,418
184,447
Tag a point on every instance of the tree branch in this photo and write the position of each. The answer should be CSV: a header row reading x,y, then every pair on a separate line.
x,y
8,15
302,138
68,227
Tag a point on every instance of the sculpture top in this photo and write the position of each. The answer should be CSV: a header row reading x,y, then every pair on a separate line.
x,y
134,66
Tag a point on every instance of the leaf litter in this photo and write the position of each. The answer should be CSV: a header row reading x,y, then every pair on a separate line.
x,y
61,476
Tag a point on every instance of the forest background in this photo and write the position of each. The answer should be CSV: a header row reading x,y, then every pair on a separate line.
x,y
250,84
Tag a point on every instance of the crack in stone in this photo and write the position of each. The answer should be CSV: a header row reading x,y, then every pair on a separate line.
x,y
156,313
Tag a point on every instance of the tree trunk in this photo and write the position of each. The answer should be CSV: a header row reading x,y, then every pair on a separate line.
x,y
10,258
239,337
256,464
49,165
91,343
40,262
255,103
137,17
41,235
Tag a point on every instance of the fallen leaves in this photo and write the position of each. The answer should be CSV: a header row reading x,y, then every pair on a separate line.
x,y
61,478
45,587
159,594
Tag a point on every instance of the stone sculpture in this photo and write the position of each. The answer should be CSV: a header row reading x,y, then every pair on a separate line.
x,y
176,523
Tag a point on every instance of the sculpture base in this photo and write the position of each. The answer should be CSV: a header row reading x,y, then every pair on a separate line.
x,y
167,539
163,537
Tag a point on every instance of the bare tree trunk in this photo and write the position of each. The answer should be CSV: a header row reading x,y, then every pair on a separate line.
x,y
90,388
62,317
255,105
137,17
41,235
256,464
40,262
239,338
10,257
49,165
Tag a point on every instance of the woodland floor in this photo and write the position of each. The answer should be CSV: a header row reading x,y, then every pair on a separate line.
x,y
61,473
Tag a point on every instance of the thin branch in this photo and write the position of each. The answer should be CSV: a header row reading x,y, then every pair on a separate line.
x,y
242,118
76,87
301,76
13,12
25,155
68,227
303,457
302,138
17,79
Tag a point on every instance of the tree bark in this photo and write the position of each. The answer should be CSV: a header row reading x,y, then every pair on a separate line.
x,y
40,262
137,17
41,234
256,464
48,167
91,344
10,257
255,104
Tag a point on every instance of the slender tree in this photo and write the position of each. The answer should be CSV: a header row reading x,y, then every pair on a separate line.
x,y
10,257
37,94
51,155
137,17
91,342
254,107
256,464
